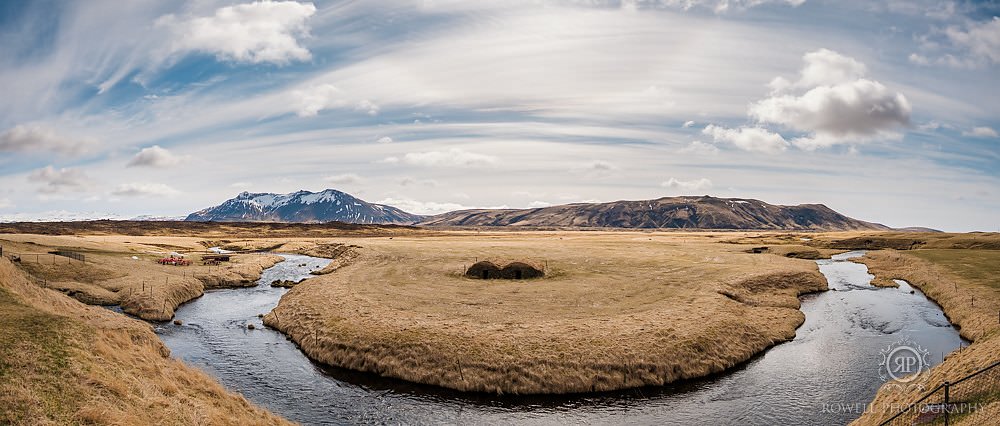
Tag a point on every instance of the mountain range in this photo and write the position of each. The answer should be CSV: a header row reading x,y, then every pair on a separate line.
x,y
697,212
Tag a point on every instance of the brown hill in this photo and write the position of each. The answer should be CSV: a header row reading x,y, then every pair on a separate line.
x,y
702,212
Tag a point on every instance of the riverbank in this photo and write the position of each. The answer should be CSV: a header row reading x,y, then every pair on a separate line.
x,y
614,311
63,362
964,283
123,270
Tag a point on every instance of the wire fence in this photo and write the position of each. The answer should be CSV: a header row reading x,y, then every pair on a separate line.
x,y
962,401
52,257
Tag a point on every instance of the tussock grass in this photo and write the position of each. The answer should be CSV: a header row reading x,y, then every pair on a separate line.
x,y
62,362
966,284
615,310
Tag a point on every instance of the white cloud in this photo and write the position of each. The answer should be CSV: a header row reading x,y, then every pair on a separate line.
x,y
972,45
919,59
317,98
699,148
57,180
144,189
453,157
687,124
981,40
342,179
256,32
6,204
756,139
538,204
825,67
421,207
368,107
688,185
154,156
833,103
38,138
389,160
241,185
310,100
981,132
854,110
384,139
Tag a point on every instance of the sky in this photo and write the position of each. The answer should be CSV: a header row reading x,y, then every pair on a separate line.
x,y
884,111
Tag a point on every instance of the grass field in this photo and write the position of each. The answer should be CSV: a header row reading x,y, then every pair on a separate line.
x,y
615,310
977,267
966,283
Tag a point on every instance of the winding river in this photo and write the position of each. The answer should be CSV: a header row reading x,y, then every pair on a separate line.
x,y
825,375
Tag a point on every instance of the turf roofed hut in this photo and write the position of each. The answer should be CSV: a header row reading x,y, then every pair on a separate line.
x,y
487,270
484,270
520,271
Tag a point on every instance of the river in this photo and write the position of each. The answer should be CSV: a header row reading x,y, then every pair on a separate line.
x,y
823,376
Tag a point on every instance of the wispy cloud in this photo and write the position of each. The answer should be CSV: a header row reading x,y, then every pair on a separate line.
x,y
981,132
342,179
144,189
453,157
686,186
973,44
482,98
421,207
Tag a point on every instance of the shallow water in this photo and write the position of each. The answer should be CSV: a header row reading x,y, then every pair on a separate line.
x,y
824,376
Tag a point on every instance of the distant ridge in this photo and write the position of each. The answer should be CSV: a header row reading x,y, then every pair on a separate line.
x,y
302,207
699,212
688,212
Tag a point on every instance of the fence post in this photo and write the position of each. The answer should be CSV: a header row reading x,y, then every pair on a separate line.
x,y
946,408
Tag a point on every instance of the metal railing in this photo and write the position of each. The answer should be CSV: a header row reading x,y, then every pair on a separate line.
x,y
949,402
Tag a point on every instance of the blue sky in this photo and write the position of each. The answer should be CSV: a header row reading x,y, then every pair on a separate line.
x,y
883,111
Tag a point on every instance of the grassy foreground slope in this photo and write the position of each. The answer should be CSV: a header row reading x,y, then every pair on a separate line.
x,y
966,283
615,310
62,362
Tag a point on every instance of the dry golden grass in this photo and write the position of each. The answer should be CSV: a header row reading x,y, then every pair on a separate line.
x,y
62,362
966,285
615,310
141,286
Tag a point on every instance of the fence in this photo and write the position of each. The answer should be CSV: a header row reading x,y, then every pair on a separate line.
x,y
50,257
70,254
950,402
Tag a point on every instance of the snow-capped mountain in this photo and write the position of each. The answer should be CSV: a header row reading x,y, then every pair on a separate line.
x,y
302,206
